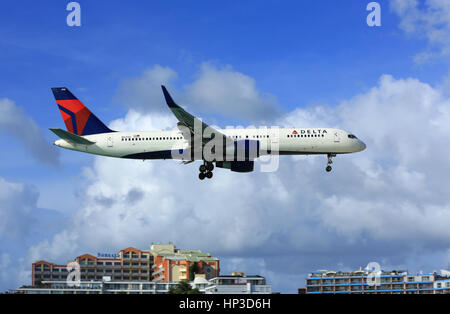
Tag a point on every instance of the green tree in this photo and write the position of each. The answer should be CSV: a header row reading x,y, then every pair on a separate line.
x,y
193,269
183,287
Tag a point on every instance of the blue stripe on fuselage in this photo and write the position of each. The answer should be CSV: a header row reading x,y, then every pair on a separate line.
x,y
164,154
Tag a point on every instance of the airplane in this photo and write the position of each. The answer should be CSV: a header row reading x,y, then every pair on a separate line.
x,y
233,149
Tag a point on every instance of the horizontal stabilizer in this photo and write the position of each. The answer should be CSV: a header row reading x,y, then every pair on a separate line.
x,y
71,137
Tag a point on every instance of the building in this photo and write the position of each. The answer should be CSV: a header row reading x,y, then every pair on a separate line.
x,y
237,283
152,271
173,265
98,287
234,284
162,262
362,282
129,264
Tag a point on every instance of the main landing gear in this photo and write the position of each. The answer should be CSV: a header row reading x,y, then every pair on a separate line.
x,y
330,161
206,170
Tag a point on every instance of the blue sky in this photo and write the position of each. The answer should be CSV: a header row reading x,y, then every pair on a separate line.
x,y
284,46
303,52
299,54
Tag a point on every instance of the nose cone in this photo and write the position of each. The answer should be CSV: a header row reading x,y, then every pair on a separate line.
x,y
362,146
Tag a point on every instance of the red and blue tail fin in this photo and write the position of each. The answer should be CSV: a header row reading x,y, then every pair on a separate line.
x,y
78,118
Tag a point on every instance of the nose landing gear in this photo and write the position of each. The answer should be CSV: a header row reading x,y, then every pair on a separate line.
x,y
206,170
330,161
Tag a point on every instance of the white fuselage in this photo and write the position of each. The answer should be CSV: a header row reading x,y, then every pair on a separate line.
x,y
160,144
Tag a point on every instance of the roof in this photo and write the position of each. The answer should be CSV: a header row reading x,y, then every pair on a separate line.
x,y
236,276
200,281
189,255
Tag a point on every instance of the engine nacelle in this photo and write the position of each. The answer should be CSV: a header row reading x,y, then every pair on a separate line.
x,y
236,166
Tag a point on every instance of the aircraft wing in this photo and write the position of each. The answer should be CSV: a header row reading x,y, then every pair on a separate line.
x,y
186,120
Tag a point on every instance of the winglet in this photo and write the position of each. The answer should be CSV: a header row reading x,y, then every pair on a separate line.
x,y
168,98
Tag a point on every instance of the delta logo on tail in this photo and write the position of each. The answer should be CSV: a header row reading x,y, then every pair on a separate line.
x,y
78,118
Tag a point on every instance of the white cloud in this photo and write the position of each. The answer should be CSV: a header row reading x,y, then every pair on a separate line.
x,y
16,122
143,93
5,266
215,90
17,200
17,207
430,21
384,204
136,121
230,93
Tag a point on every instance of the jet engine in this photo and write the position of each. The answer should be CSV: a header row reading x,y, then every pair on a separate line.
x,y
236,166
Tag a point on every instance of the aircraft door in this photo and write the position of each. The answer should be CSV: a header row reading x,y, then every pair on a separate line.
x,y
337,138
274,142
109,141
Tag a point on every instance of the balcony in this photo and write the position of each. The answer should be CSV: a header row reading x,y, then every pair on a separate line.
x,y
160,270
160,278
313,282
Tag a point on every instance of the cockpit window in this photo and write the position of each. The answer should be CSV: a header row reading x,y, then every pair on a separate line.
x,y
352,136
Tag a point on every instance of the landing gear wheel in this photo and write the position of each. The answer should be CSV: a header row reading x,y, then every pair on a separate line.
x,y
209,166
330,161
206,170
